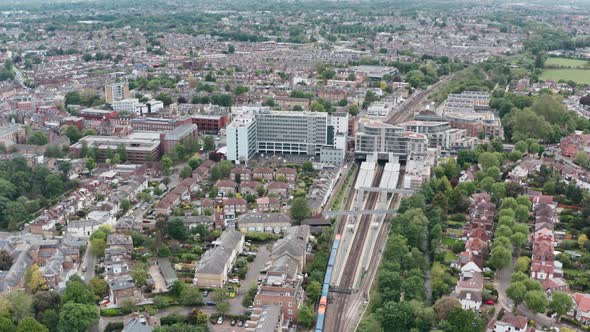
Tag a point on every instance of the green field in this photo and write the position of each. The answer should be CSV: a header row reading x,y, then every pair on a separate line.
x,y
577,75
564,62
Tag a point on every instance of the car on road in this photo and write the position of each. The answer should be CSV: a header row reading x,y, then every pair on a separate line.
x,y
211,303
84,268
489,302
205,293
220,320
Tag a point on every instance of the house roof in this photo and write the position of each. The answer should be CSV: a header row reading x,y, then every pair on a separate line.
x,y
516,321
294,243
582,301
278,185
258,217
214,260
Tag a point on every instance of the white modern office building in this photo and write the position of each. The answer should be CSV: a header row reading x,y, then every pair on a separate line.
x,y
133,106
261,130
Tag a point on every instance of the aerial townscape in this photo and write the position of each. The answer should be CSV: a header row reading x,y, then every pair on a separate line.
x,y
294,165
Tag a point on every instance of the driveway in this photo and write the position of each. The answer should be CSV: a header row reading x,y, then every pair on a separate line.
x,y
262,257
159,282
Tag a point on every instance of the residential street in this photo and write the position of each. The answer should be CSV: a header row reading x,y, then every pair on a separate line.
x,y
501,282
262,257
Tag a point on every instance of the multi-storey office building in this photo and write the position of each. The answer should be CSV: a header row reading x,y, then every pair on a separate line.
x,y
440,134
265,131
116,91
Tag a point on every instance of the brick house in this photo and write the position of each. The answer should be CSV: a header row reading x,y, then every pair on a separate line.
x,y
290,174
278,188
264,173
226,186
244,174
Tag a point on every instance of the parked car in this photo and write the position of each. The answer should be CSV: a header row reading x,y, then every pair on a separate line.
x,y
233,322
211,303
220,320
205,293
240,323
490,302
234,281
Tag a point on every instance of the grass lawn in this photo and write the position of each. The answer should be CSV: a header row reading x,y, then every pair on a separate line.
x,y
565,62
577,75
449,257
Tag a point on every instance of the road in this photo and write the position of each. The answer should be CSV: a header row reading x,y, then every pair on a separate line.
x,y
89,261
501,282
262,257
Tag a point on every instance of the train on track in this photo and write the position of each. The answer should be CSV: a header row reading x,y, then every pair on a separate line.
x,y
319,326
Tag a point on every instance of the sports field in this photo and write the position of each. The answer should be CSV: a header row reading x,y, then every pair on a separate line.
x,y
574,63
581,76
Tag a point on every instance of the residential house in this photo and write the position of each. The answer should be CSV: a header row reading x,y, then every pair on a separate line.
x,y
264,173
293,244
278,188
235,206
120,240
264,222
214,265
268,204
249,187
122,290
288,173
511,323
582,307
226,187
240,174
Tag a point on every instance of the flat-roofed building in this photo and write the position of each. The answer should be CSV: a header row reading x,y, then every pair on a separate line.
x,y
284,132
140,147
116,91
385,139
178,135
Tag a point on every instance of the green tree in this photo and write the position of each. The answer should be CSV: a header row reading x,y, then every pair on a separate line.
x,y
177,230
78,292
561,303
99,287
38,138
536,300
582,159
194,162
516,292
34,279
307,166
166,164
186,172
501,257
313,291
139,274
231,49
77,317
522,264
20,305
122,152
299,209
90,164
29,324
444,306
306,316
488,159
7,325
73,133
208,143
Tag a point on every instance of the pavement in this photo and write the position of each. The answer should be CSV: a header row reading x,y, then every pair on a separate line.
x,y
262,257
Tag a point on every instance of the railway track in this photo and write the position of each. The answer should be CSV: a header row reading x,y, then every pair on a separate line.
x,y
346,310
338,300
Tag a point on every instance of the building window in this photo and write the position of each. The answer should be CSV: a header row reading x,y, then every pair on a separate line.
x,y
290,305
290,312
